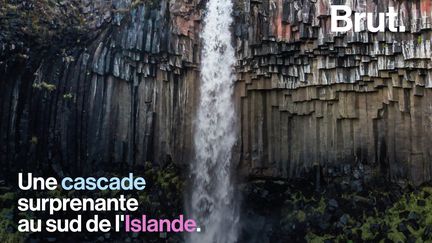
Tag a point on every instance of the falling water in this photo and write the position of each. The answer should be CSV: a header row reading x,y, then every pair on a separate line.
x,y
213,203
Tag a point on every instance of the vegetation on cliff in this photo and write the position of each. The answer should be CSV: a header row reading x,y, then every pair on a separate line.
x,y
40,20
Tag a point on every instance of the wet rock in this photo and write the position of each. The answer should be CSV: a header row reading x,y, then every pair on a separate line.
x,y
324,225
343,221
332,205
356,186
413,216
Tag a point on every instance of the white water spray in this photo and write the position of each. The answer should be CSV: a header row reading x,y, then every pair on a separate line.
x,y
213,203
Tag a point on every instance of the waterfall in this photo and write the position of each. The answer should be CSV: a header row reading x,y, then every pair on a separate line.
x,y
212,202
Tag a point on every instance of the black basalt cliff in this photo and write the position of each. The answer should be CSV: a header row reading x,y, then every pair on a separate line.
x,y
90,84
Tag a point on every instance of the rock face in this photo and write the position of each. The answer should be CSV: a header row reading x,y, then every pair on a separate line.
x,y
310,96
126,97
306,97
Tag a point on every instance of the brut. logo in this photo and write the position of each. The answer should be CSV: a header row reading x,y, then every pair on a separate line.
x,y
342,14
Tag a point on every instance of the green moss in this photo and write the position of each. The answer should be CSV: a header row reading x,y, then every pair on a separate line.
x,y
301,216
144,198
419,39
313,238
8,232
396,237
44,86
34,140
7,197
418,203
427,189
67,96
365,229
321,206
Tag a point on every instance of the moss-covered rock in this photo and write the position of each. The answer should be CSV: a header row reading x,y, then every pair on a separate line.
x,y
8,216
378,213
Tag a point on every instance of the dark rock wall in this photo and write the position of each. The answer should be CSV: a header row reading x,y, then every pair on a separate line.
x,y
306,98
126,97
311,97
